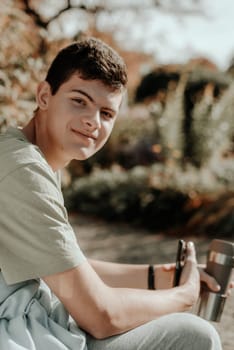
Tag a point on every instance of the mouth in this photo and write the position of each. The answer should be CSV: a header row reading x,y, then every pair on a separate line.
x,y
84,134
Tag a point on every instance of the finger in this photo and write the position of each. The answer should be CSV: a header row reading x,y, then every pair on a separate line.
x,y
211,282
169,267
191,253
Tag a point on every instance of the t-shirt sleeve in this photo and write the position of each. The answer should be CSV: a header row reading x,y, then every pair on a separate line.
x,y
36,238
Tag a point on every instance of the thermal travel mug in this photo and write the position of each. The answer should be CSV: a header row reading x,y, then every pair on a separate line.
x,y
220,262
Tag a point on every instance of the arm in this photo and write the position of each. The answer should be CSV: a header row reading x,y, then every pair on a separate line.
x,y
133,275
104,311
121,275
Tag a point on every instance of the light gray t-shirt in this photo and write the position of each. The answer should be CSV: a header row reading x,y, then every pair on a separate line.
x,y
36,238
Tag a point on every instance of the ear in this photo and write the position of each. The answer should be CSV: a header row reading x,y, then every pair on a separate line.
x,y
43,95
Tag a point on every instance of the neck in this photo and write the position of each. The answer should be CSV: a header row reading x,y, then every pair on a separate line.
x,y
29,131
35,134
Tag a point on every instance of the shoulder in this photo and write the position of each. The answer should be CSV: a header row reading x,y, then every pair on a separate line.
x,y
17,155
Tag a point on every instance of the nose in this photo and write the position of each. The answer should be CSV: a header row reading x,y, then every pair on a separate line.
x,y
92,121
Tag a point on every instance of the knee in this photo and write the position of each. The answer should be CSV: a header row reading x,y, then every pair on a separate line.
x,y
195,332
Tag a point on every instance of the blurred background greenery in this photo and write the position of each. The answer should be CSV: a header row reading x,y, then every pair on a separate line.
x,y
169,162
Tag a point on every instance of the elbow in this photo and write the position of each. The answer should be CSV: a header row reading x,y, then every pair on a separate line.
x,y
100,334
107,326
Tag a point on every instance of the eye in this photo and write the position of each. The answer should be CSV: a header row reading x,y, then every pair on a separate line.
x,y
107,115
79,101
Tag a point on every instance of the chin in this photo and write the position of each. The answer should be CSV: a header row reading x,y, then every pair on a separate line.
x,y
83,155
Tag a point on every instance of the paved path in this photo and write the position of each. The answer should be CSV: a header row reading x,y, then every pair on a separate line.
x,y
122,243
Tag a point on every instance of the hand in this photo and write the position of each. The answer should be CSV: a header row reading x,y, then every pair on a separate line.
x,y
211,282
164,275
190,278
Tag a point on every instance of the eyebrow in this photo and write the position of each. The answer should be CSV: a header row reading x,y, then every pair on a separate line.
x,y
91,99
83,93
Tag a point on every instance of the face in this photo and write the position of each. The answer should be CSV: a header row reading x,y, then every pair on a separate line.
x,y
77,120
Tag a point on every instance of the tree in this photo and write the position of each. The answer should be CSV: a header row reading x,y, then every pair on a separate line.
x,y
103,15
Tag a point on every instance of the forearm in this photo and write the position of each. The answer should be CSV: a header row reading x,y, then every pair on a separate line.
x,y
129,308
122,275
133,275
118,310
133,307
104,310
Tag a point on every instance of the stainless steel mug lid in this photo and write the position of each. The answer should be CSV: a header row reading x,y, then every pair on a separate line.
x,y
221,252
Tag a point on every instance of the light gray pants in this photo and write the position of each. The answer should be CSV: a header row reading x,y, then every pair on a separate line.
x,y
179,331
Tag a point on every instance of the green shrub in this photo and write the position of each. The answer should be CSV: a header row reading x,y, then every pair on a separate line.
x,y
154,196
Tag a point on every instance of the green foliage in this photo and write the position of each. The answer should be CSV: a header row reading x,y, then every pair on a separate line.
x,y
153,196
112,194
212,127
170,122
193,117
155,80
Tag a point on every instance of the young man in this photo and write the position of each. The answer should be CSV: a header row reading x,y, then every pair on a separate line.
x,y
44,275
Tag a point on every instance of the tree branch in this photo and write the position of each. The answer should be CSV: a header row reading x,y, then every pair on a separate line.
x,y
44,23
93,10
34,15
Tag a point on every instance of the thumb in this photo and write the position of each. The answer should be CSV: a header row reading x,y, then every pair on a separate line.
x,y
191,253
